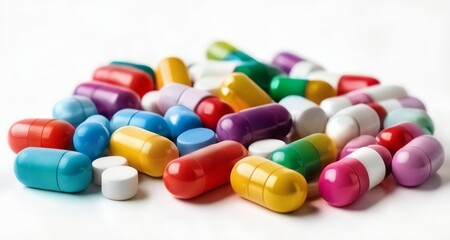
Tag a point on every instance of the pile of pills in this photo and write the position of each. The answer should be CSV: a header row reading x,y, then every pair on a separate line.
x,y
271,130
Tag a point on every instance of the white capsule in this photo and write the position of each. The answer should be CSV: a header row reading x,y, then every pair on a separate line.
x,y
210,84
307,117
149,102
265,147
212,68
303,68
331,78
373,162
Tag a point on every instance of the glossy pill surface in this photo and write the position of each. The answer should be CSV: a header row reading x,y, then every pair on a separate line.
x,y
417,116
195,139
268,184
74,109
91,138
35,132
145,151
253,124
131,78
53,169
108,98
170,70
203,170
314,90
397,136
142,67
417,161
146,120
240,92
307,156
180,119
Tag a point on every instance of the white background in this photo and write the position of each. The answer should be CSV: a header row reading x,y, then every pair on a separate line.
x,y
48,47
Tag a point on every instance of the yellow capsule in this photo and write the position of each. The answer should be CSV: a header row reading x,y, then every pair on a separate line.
x,y
325,147
145,151
172,69
268,184
240,92
318,90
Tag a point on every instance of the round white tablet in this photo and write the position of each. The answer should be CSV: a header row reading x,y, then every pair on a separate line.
x,y
264,148
120,183
101,164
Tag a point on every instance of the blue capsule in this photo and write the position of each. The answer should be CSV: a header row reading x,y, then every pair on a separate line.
x,y
147,120
181,119
53,169
92,137
74,109
195,139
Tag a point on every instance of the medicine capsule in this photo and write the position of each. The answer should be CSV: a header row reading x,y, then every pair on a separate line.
x,y
316,91
108,98
307,117
307,156
141,67
203,170
352,122
253,124
265,147
149,102
417,116
53,169
91,137
344,83
370,94
417,161
74,109
146,120
357,143
131,78
35,132
397,136
145,151
172,70
383,108
294,65
343,182
226,52
195,139
209,108
180,119
268,184
240,92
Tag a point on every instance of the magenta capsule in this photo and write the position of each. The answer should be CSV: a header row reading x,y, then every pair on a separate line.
x,y
417,161
343,182
262,122
108,98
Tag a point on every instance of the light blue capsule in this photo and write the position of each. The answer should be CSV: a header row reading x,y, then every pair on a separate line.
x,y
74,109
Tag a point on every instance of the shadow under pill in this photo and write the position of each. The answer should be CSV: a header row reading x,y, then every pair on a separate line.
x,y
374,196
306,209
212,196
92,189
433,183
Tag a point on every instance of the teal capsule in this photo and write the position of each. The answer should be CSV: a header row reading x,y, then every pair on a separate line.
x,y
53,169
415,115
142,67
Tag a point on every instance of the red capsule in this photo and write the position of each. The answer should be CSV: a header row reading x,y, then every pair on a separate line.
x,y
397,136
203,170
210,110
348,83
47,133
131,78
381,112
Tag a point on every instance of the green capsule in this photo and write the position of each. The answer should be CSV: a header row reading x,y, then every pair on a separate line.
x,y
308,155
261,74
142,67
282,86
219,50
415,115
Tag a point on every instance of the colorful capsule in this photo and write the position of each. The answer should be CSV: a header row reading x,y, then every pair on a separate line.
x,y
74,109
240,92
316,91
352,122
265,147
146,120
108,98
226,52
370,94
344,83
294,65
253,124
397,136
415,115
145,151
343,182
195,139
149,102
307,156
357,143
307,117
209,108
53,169
91,137
383,108
268,184
141,67
203,170
417,161
172,70
180,119
131,78
35,132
